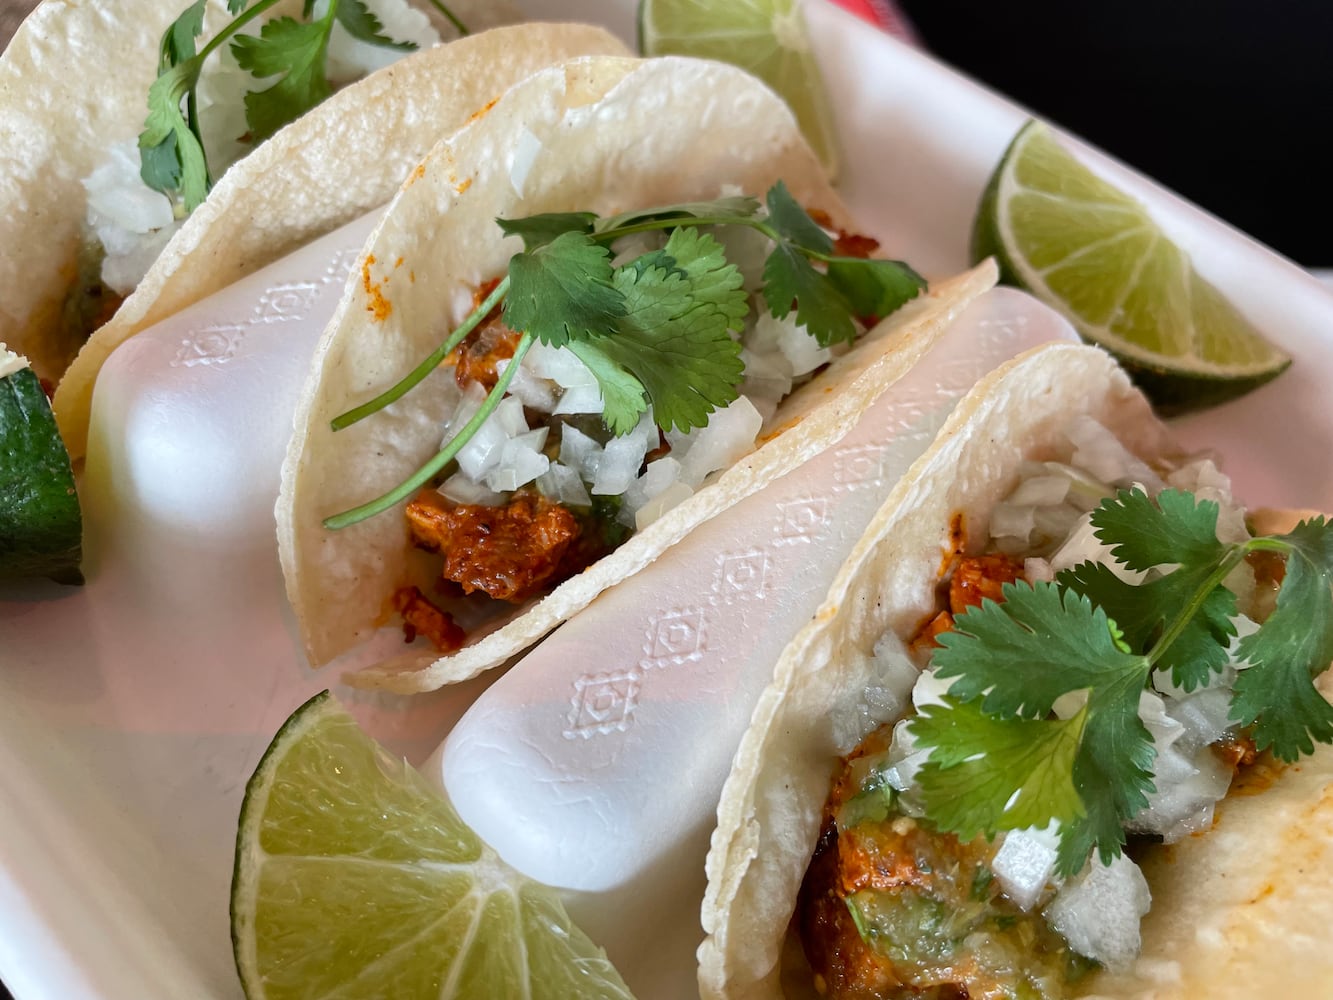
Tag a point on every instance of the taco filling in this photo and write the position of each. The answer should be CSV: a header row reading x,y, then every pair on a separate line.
x,y
971,849
561,471
134,208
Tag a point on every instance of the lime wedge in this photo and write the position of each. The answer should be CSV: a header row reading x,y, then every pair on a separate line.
x,y
355,880
1091,251
767,38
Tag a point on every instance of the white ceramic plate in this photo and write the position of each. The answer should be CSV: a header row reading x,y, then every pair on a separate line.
x,y
133,710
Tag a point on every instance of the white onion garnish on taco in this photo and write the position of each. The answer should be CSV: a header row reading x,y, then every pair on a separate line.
x,y
1099,680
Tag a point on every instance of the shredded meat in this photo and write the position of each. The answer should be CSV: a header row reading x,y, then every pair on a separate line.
x,y
1236,750
845,966
974,578
475,359
509,552
979,577
421,617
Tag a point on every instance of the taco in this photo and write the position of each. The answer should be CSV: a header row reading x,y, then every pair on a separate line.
x,y
74,86
940,796
545,506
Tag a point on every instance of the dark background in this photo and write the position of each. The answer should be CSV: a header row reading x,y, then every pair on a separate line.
x,y
1228,103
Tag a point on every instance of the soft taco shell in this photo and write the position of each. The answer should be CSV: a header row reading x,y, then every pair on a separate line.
x,y
339,161
829,687
603,135
1240,911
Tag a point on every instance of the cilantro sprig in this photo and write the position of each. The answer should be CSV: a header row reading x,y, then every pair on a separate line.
x,y
1002,759
171,148
656,330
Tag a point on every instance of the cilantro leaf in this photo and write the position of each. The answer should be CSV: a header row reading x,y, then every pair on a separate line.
x,y
563,290
874,288
789,278
1143,612
624,398
237,6
1171,530
1015,659
1144,532
540,230
791,221
361,23
171,155
1113,772
681,302
1021,655
293,50
728,207
178,40
986,774
1276,693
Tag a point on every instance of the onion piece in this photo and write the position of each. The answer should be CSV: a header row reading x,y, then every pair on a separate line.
x,y
1098,911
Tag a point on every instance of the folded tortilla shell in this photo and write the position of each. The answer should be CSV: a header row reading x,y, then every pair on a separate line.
x,y
830,689
602,135
339,161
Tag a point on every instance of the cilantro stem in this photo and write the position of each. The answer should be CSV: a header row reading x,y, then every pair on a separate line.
x,y
445,455
241,20
419,373
649,225
1235,555
451,16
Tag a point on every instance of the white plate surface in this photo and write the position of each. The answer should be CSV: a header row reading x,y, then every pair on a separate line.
x,y
133,710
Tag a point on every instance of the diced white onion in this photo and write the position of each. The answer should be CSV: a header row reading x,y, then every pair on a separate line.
x,y
483,452
535,393
1105,457
622,457
521,461
460,489
728,437
350,58
800,349
768,379
559,364
580,452
1098,911
1008,520
1025,863
118,194
1040,491
659,476
580,399
564,485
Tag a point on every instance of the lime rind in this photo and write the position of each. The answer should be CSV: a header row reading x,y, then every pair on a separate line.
x,y
767,38
354,879
1094,253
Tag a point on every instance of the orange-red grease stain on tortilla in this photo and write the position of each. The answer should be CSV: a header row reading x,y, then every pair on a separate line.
x,y
954,546
481,112
378,306
398,263
418,172
463,185
1257,778
779,430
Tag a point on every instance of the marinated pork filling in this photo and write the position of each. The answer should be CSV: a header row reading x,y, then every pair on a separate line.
x,y
543,489
893,908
